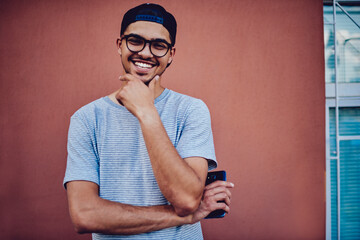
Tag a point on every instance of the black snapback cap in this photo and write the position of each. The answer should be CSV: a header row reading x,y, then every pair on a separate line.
x,y
152,13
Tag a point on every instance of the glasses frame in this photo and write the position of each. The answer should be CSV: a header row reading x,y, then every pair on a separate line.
x,y
169,46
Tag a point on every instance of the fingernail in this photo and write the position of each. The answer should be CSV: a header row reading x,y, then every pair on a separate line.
x,y
232,185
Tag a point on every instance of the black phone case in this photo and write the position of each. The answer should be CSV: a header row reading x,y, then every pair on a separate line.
x,y
212,177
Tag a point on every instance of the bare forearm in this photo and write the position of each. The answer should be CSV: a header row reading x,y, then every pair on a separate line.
x,y
90,213
115,218
179,183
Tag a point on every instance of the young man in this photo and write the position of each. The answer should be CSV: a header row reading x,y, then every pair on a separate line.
x,y
138,158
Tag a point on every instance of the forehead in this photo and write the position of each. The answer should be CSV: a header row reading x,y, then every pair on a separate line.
x,y
148,30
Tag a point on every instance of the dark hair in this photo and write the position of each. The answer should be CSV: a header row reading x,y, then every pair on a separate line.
x,y
153,13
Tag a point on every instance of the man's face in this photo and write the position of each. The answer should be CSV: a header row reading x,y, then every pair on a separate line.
x,y
144,65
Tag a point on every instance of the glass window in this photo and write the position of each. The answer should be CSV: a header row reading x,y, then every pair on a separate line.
x,y
348,44
343,122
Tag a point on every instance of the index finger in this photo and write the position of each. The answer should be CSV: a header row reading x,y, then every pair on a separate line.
x,y
125,77
220,184
154,82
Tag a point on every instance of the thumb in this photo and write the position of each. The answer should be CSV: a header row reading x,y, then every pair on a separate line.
x,y
154,83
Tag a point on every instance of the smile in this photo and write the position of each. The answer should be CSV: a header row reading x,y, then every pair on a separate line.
x,y
143,65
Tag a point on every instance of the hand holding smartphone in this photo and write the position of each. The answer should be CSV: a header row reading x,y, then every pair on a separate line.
x,y
212,177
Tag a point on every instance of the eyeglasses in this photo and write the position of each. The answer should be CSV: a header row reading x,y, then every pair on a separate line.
x,y
136,43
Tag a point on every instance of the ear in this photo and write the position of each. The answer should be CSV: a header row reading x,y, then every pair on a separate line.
x,y
172,54
118,45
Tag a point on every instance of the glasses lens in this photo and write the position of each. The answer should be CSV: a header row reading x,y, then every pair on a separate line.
x,y
159,48
135,44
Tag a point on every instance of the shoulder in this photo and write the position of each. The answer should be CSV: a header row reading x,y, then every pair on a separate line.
x,y
90,110
188,102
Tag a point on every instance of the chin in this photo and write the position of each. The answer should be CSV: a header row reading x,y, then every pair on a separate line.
x,y
145,79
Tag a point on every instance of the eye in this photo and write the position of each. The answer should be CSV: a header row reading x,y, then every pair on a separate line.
x,y
135,41
159,45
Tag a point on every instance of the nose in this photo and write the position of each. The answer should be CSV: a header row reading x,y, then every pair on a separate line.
x,y
146,53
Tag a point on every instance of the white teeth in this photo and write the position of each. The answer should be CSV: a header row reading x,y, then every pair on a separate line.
x,y
143,65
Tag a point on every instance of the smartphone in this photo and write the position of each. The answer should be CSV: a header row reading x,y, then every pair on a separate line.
x,y
212,177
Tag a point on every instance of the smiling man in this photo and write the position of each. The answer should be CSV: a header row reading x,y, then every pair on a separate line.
x,y
138,158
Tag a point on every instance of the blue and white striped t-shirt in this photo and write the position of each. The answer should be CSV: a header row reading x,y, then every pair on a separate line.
x,y
106,146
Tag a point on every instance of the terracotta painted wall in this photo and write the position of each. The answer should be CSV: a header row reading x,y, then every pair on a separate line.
x,y
258,65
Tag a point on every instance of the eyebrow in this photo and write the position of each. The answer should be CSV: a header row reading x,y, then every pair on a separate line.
x,y
152,39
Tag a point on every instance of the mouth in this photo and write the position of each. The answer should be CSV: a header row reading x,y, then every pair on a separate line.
x,y
143,66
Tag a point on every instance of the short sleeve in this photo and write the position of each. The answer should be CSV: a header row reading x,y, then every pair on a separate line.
x,y
196,139
82,160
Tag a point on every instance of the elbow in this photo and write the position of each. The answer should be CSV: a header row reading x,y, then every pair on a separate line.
x,y
188,203
81,223
81,228
187,208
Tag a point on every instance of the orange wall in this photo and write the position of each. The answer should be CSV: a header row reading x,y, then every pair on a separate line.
x,y
258,65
